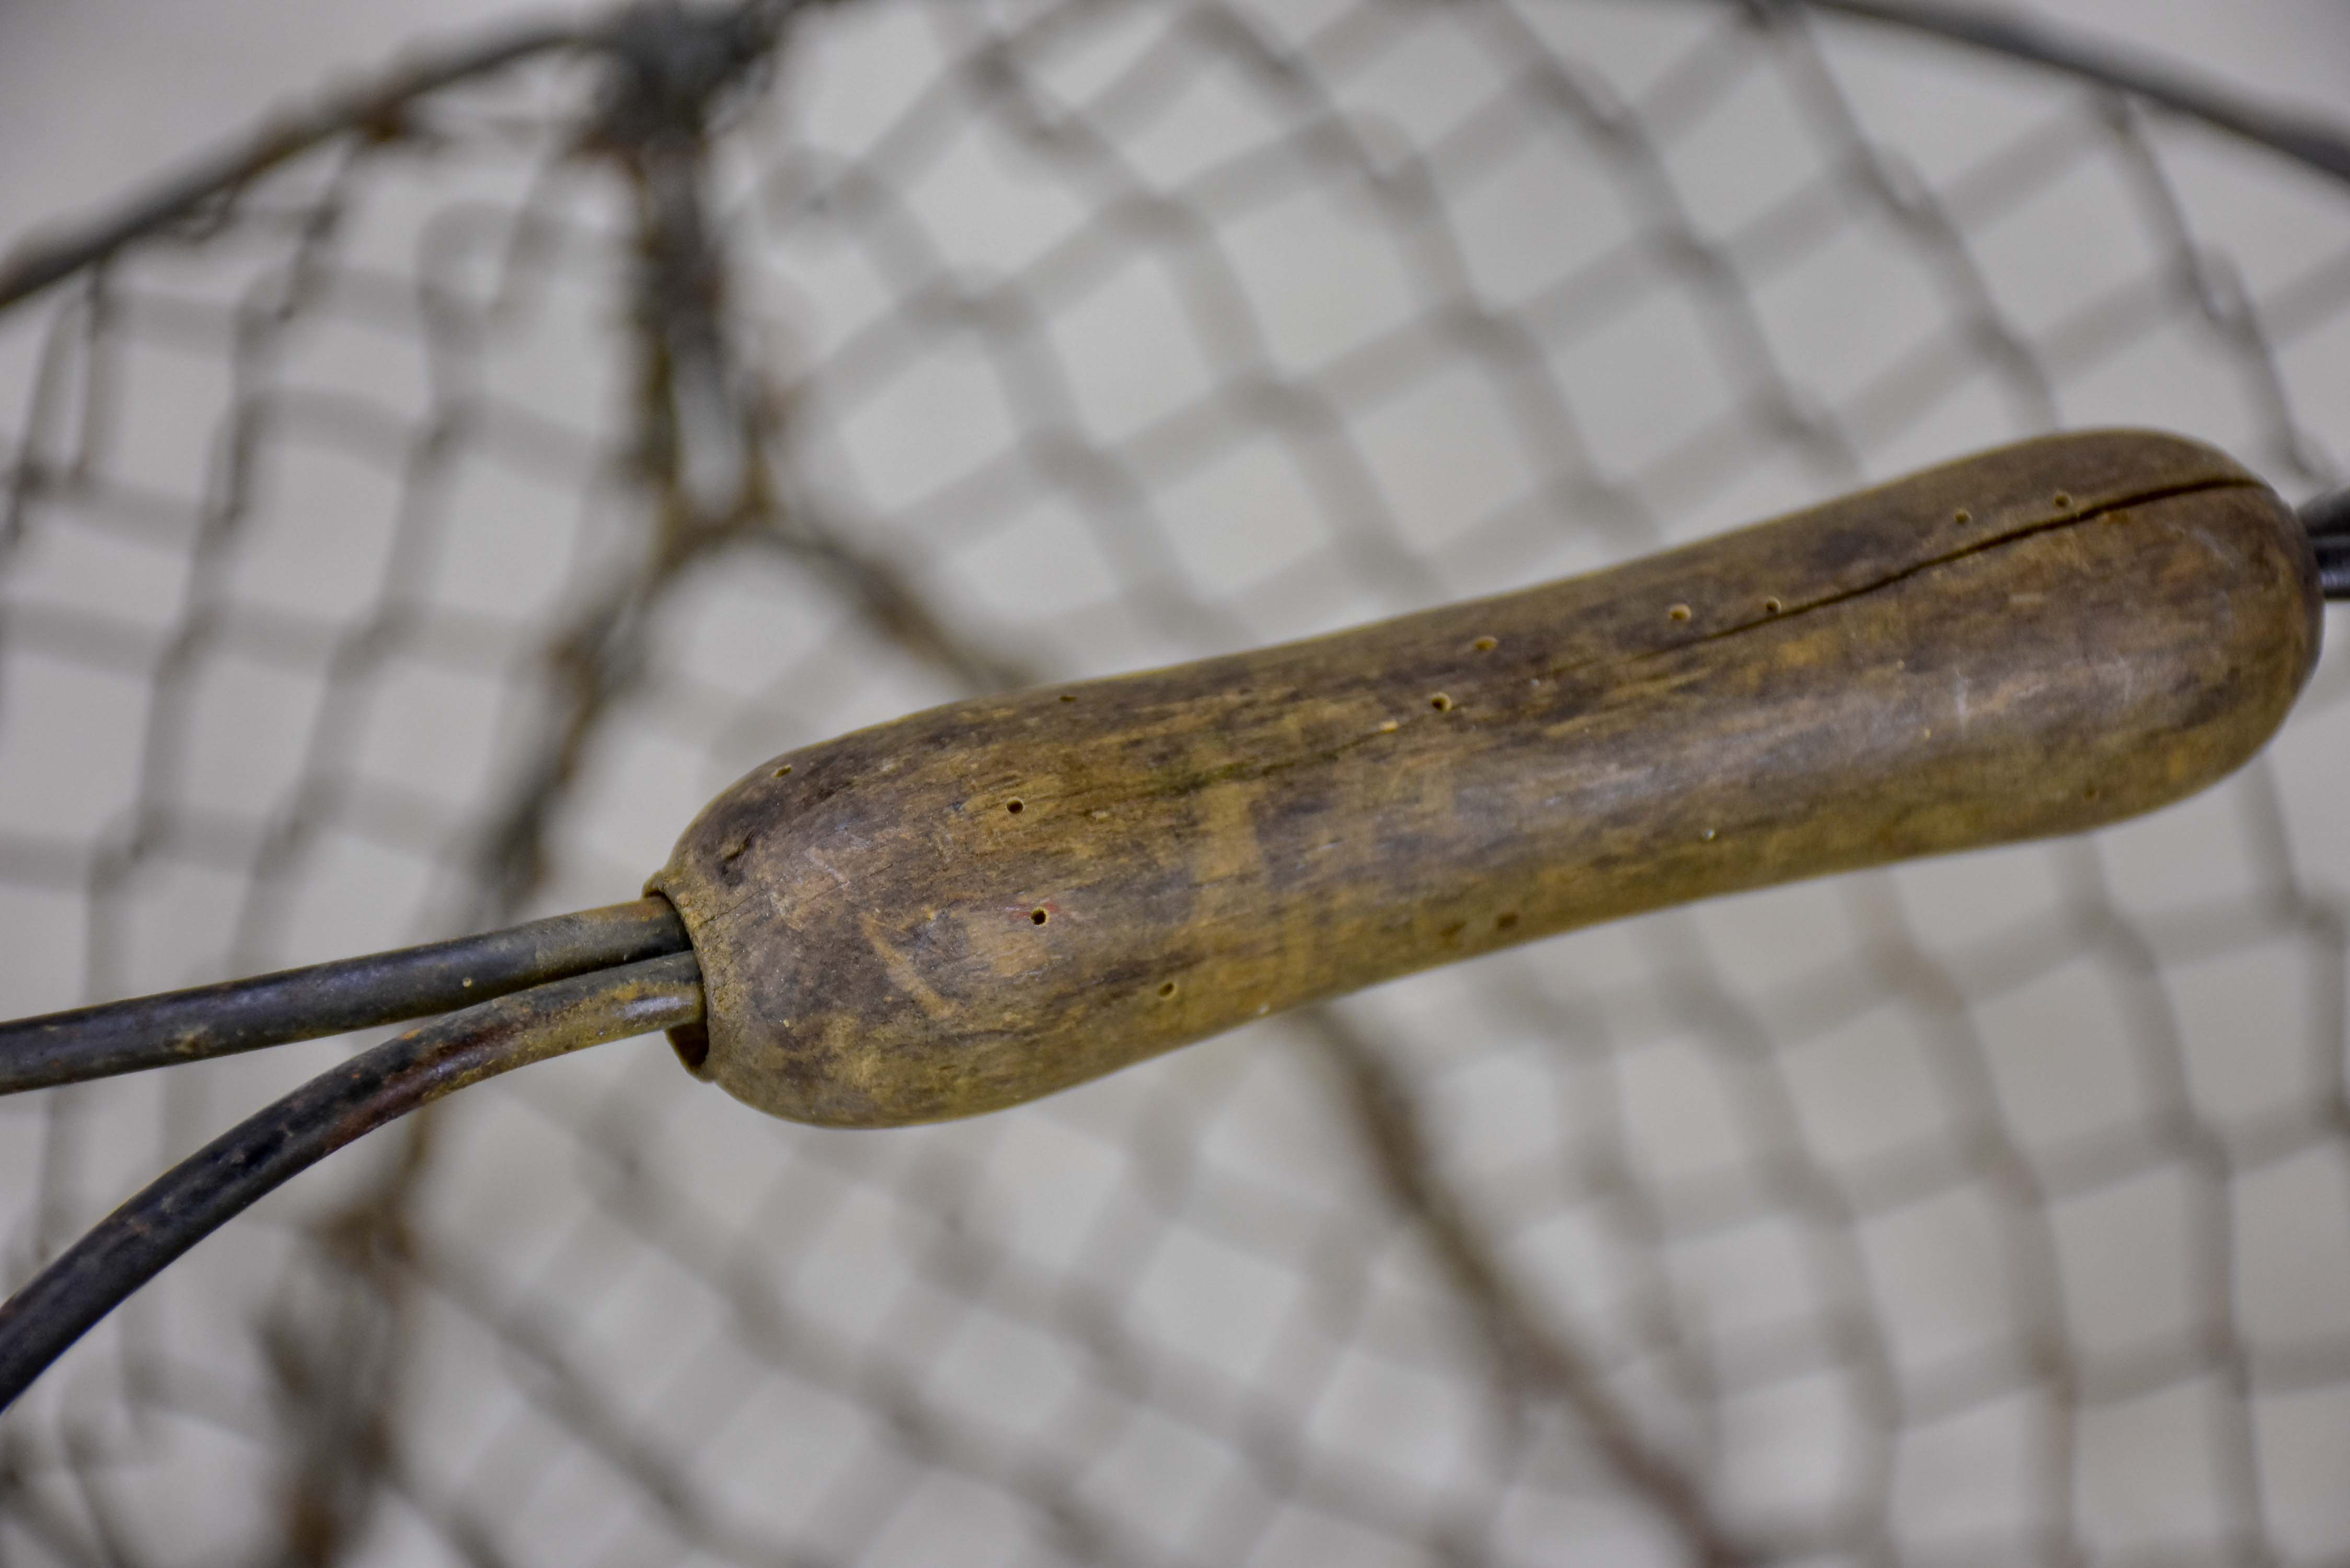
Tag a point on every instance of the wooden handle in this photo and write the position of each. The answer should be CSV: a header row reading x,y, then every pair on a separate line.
x,y
977,904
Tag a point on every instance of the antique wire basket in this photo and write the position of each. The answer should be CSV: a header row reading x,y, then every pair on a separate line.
x,y
412,513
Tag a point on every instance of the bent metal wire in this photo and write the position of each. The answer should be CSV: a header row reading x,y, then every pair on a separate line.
x,y
237,1168
577,980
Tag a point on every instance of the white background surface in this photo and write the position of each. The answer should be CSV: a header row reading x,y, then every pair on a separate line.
x,y
95,97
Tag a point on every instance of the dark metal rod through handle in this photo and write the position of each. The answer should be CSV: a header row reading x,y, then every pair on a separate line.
x,y
329,998
196,1196
2327,518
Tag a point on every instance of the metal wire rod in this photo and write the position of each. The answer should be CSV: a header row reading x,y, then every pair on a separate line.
x,y
196,1196
329,998
2327,518
2333,567
664,44
2319,143
2327,515
45,260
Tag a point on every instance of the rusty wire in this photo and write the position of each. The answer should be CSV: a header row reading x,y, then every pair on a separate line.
x,y
262,1152
412,531
332,998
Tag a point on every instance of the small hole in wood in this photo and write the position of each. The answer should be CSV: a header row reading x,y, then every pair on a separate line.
x,y
1485,644
1506,922
1166,990
1962,517
1772,607
1068,696
2090,792
2063,501
1679,612
1039,916
783,771
1440,702
1015,807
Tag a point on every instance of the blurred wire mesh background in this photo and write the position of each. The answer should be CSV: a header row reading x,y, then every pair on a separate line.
x,y
413,535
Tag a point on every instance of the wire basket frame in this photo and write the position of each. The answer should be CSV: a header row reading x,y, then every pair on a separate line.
x,y
411,519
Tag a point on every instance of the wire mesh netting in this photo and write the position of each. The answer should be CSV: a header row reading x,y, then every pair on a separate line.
x,y
411,530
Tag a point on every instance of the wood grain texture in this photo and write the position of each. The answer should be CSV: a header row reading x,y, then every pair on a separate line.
x,y
973,906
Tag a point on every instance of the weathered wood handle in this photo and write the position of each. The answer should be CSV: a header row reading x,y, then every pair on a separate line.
x,y
974,905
